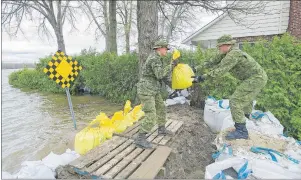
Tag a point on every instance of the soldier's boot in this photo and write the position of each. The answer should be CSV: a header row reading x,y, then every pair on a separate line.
x,y
163,131
240,132
247,116
141,141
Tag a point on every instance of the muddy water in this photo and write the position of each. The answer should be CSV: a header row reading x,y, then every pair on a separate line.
x,y
34,124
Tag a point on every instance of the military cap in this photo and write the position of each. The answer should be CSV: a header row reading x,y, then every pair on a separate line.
x,y
161,44
225,39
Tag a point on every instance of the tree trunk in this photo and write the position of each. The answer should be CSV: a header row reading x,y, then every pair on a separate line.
x,y
107,26
147,21
113,26
60,40
127,42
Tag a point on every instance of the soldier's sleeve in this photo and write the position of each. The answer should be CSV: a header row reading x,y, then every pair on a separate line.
x,y
159,69
226,64
213,61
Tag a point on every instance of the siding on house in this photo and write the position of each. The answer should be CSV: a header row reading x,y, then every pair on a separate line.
x,y
274,20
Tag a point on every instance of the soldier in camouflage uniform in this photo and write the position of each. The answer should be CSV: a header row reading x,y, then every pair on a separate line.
x,y
245,68
149,92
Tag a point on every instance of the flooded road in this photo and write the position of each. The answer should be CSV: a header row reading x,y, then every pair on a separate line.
x,y
34,124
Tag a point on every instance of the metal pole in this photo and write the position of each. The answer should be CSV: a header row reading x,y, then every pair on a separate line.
x,y
70,106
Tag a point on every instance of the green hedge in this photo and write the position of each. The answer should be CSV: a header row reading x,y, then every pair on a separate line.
x,y
114,77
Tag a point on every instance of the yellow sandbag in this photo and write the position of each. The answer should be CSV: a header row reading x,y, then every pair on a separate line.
x,y
120,126
137,113
127,107
118,122
181,77
118,116
107,131
176,54
88,138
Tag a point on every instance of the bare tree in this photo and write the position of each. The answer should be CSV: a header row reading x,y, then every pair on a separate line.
x,y
97,12
103,14
176,20
113,26
234,8
53,12
147,23
125,11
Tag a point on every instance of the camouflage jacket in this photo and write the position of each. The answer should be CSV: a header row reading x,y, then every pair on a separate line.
x,y
240,64
154,71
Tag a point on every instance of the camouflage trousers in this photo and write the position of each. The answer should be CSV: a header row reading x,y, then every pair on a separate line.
x,y
242,99
155,112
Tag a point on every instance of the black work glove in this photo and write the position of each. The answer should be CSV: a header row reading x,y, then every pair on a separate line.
x,y
193,69
175,63
198,79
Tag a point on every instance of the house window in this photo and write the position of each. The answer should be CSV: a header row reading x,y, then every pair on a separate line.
x,y
240,45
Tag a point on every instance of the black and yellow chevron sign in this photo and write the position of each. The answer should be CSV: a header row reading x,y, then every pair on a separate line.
x,y
62,69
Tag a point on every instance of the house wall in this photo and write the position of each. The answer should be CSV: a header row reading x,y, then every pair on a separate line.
x,y
274,20
294,26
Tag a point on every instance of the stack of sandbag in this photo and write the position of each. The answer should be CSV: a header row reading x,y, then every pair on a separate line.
x,y
43,169
267,154
179,97
217,114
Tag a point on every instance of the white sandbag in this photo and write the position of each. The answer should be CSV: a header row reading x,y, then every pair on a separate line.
x,y
176,100
265,169
217,119
35,170
69,156
7,175
54,160
267,124
184,93
217,167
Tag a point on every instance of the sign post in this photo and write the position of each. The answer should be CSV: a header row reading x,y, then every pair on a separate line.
x,y
63,70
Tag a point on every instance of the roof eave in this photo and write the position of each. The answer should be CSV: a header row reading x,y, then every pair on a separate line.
x,y
185,41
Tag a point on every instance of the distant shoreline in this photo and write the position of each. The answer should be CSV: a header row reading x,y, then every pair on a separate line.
x,y
17,65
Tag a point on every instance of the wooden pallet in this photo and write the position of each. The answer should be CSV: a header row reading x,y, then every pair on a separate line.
x,y
119,158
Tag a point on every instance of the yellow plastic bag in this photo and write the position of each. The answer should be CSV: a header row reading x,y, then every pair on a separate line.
x,y
181,77
127,107
88,138
118,122
176,54
137,113
106,125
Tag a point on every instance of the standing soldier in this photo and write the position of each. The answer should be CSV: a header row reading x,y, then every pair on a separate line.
x,y
149,92
245,68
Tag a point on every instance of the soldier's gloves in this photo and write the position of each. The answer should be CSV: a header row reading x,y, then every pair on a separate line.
x,y
198,79
175,63
193,69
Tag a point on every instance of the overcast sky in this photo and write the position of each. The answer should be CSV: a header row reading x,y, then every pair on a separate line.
x,y
31,47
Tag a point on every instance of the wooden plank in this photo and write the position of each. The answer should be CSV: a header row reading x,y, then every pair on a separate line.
x,y
115,160
111,173
153,129
98,152
169,125
150,168
108,157
122,164
174,130
134,164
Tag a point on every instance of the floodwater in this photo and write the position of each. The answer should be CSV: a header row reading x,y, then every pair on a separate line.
x,y
34,124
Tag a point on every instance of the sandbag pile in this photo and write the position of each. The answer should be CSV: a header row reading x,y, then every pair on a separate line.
x,y
267,154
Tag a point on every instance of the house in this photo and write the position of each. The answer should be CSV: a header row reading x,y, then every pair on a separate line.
x,y
277,18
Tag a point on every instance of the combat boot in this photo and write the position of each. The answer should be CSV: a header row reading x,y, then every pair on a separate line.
x,y
141,141
163,131
240,132
247,116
